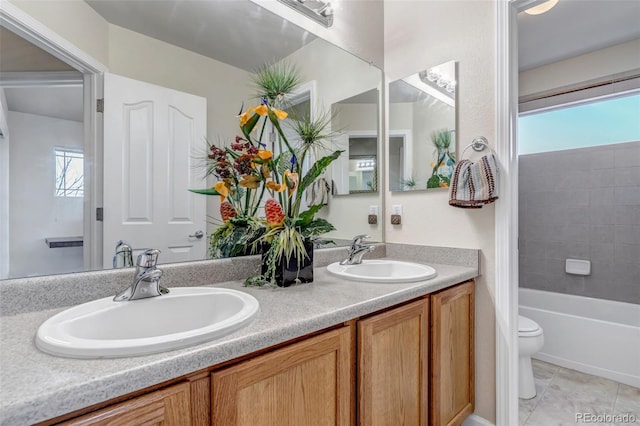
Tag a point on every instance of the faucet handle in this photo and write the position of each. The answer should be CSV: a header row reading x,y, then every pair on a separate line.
x,y
148,258
123,257
358,240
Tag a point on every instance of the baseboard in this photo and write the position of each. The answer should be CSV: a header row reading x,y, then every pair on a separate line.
x,y
475,420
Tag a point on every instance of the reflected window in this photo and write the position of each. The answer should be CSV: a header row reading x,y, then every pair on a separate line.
x,y
69,173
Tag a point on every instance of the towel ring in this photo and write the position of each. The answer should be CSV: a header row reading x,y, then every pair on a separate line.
x,y
478,144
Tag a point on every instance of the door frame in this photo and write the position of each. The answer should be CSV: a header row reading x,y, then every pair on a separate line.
x,y
21,23
506,212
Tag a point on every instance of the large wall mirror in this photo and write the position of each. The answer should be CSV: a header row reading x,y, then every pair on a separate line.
x,y
208,49
422,129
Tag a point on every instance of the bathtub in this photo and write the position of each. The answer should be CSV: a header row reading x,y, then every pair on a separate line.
x,y
595,336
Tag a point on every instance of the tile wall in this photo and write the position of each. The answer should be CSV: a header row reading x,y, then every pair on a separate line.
x,y
583,204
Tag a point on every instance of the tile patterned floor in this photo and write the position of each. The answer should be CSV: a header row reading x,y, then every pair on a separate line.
x,y
562,393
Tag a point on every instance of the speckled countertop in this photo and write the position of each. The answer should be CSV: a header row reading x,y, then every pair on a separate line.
x,y
35,386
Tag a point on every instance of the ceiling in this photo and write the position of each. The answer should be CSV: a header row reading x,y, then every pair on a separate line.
x,y
57,102
245,35
239,33
575,27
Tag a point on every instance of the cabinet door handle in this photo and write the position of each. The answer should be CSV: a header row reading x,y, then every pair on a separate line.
x,y
198,234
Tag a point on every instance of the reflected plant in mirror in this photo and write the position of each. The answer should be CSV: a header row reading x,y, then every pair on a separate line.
x,y
422,122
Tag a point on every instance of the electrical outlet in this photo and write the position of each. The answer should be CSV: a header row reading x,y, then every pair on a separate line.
x,y
396,209
373,210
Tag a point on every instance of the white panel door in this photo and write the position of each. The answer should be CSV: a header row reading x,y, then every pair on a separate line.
x,y
151,135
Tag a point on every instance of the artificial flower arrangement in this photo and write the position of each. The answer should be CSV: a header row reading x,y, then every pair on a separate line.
x,y
247,172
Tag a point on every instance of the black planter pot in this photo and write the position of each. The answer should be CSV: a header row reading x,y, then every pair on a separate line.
x,y
287,273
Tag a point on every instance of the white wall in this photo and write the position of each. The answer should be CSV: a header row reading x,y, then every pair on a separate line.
x,y
35,213
4,188
600,63
73,20
419,34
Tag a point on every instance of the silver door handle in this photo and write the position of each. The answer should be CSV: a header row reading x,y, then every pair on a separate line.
x,y
197,234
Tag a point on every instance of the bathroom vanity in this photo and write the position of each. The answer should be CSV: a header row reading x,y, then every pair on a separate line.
x,y
331,352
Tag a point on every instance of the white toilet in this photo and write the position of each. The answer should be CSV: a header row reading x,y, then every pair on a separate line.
x,y
530,341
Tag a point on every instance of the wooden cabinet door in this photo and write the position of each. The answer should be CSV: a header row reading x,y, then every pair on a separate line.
x,y
452,355
165,407
307,383
393,361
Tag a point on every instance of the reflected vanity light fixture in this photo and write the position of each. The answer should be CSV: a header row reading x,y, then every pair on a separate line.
x,y
433,76
541,8
366,165
318,10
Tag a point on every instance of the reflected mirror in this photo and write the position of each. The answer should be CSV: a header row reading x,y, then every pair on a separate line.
x,y
422,129
356,122
183,46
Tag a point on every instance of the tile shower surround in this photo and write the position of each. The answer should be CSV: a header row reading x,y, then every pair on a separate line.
x,y
585,204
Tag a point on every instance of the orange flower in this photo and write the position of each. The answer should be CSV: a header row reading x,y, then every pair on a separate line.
x,y
280,114
276,187
261,110
222,189
264,154
264,110
291,180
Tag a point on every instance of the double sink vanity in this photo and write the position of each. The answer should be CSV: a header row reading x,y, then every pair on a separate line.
x,y
387,341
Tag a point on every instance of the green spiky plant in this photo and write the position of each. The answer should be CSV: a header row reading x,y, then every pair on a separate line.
x,y
441,140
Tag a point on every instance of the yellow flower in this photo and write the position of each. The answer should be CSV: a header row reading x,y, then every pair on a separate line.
x,y
245,116
222,189
264,110
264,154
249,181
276,187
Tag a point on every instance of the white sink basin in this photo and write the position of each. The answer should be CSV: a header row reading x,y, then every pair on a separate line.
x,y
383,271
107,329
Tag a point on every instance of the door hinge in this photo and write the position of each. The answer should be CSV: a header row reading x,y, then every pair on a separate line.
x,y
100,214
100,105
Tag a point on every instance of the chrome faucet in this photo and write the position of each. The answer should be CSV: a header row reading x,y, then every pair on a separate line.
x,y
359,246
146,282
124,255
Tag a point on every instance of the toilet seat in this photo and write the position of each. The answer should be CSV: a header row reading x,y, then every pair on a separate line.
x,y
528,327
